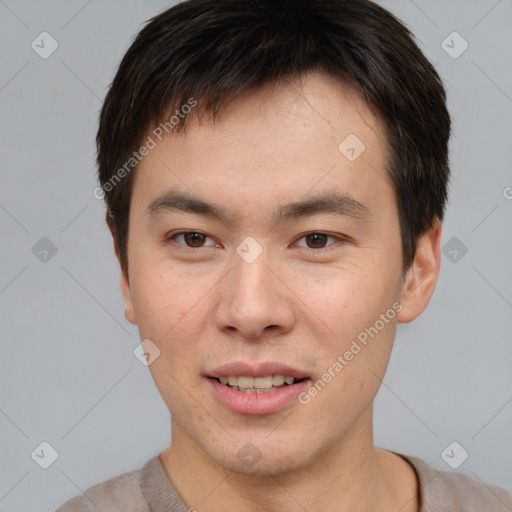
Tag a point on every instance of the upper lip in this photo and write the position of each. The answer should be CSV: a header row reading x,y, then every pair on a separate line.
x,y
239,368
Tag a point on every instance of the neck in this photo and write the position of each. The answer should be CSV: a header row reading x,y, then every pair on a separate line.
x,y
349,475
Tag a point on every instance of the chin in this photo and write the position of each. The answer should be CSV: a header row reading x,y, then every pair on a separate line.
x,y
264,460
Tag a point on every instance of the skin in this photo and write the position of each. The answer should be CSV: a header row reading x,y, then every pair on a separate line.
x,y
296,304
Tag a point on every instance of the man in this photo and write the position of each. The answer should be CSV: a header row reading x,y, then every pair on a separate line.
x,y
275,174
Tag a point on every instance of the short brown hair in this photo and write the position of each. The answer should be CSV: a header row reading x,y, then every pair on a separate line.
x,y
214,51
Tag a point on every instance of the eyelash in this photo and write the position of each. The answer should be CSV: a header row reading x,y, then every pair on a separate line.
x,y
174,236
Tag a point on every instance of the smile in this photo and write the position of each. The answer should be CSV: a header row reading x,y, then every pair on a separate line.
x,y
247,384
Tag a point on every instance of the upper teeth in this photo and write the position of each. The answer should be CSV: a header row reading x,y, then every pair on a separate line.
x,y
256,382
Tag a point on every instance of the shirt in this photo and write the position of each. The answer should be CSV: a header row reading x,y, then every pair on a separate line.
x,y
150,490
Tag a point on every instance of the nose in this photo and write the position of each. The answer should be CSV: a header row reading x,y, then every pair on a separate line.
x,y
254,301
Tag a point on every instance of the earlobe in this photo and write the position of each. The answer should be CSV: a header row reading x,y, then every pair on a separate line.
x,y
421,277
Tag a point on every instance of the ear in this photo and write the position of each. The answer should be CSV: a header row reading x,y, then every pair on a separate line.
x,y
421,278
125,282
127,298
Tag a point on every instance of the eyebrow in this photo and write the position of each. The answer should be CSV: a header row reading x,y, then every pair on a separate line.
x,y
330,202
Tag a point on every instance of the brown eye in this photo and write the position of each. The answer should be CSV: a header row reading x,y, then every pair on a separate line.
x,y
316,240
192,239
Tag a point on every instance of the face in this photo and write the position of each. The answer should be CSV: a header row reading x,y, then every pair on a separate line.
x,y
258,248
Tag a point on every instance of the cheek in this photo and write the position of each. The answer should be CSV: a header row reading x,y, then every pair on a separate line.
x,y
352,376
173,312
165,301
346,299
351,304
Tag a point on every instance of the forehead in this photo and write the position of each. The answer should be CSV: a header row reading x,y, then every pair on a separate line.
x,y
317,102
276,142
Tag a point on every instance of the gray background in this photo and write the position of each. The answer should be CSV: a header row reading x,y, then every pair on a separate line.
x,y
69,376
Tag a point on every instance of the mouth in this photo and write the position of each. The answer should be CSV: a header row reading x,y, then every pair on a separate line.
x,y
266,384
257,389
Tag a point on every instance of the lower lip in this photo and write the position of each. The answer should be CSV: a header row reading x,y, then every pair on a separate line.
x,y
257,403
